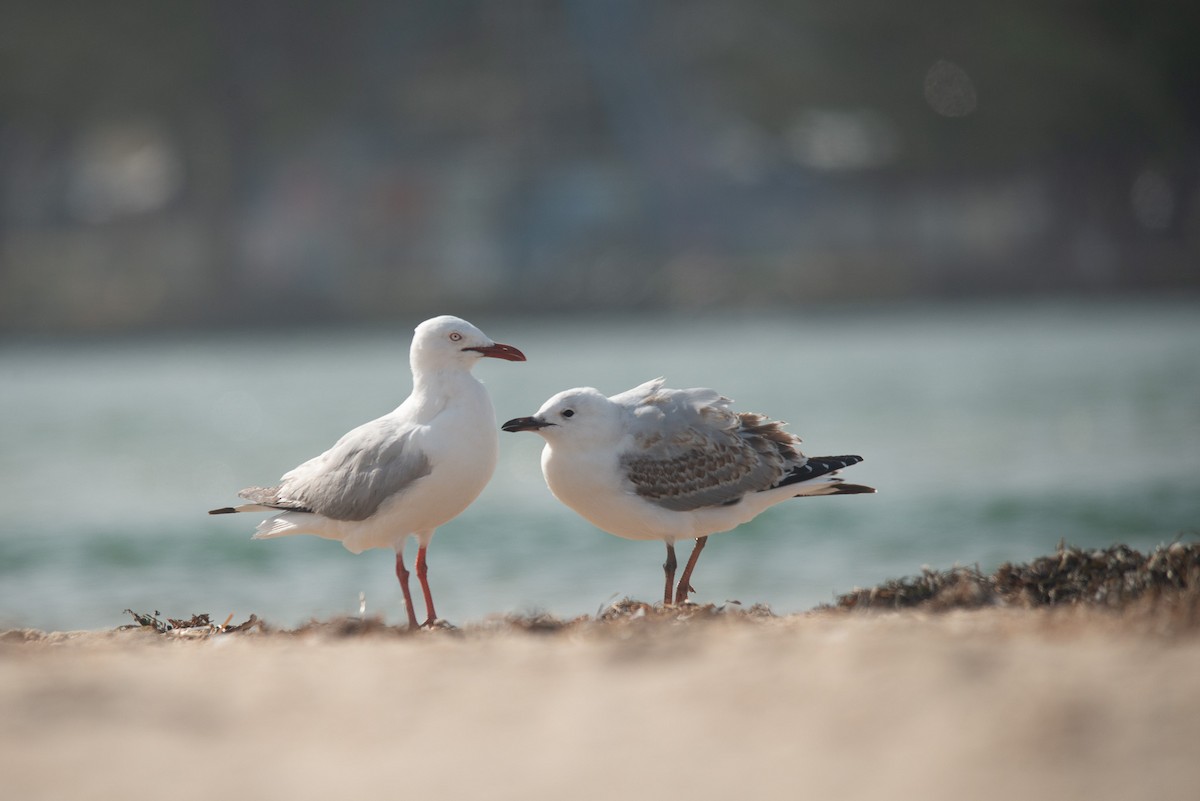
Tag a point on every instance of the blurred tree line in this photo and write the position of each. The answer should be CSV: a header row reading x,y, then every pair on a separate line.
x,y
193,163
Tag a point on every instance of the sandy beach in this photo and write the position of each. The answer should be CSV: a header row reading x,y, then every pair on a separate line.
x,y
987,703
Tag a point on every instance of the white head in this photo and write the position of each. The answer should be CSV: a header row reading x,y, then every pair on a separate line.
x,y
576,416
448,342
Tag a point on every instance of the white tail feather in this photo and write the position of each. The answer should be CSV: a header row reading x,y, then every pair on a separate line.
x,y
254,507
283,525
819,486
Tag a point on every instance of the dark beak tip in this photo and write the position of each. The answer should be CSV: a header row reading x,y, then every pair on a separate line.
x,y
521,424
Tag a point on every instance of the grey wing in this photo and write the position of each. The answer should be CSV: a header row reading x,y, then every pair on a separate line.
x,y
690,451
267,497
352,479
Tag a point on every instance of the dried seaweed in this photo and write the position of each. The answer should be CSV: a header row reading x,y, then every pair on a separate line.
x,y
196,625
631,609
539,623
1113,577
1162,586
352,627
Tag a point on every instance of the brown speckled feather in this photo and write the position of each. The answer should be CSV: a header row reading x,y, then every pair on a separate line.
x,y
690,450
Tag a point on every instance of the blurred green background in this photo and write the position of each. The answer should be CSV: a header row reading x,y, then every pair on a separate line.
x,y
233,162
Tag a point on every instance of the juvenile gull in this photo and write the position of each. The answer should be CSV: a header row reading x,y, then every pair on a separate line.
x,y
671,464
403,474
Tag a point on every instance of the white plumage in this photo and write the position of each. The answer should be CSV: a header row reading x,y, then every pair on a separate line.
x,y
406,473
664,464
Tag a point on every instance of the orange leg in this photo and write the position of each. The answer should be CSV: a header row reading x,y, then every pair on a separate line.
x,y
402,574
423,576
685,585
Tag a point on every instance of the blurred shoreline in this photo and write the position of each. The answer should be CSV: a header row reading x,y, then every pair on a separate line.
x,y
401,322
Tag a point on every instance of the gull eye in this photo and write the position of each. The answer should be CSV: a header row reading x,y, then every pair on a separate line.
x,y
568,413
455,337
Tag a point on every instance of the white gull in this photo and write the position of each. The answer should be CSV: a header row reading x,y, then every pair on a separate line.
x,y
670,464
403,474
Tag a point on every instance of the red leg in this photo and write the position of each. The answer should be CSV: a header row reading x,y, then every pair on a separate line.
x,y
669,569
422,574
685,581
402,574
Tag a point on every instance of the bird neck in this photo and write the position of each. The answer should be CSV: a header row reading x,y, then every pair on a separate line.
x,y
436,385
434,392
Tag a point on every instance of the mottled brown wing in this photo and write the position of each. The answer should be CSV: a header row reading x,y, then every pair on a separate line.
x,y
715,461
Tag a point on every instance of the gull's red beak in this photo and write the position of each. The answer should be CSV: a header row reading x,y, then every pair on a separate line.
x,y
499,351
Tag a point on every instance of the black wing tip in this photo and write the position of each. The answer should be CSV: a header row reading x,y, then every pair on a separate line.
x,y
227,510
818,466
833,462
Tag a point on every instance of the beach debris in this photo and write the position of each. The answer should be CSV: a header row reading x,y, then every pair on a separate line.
x,y
362,626
1163,586
347,626
632,609
1111,577
198,625
541,622
619,614
538,622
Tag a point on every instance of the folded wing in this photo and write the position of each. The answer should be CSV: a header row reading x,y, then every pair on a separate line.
x,y
350,481
689,450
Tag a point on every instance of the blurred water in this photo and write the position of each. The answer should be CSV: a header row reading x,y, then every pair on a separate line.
x,y
990,431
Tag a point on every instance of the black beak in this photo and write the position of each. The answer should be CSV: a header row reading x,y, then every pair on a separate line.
x,y
524,424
